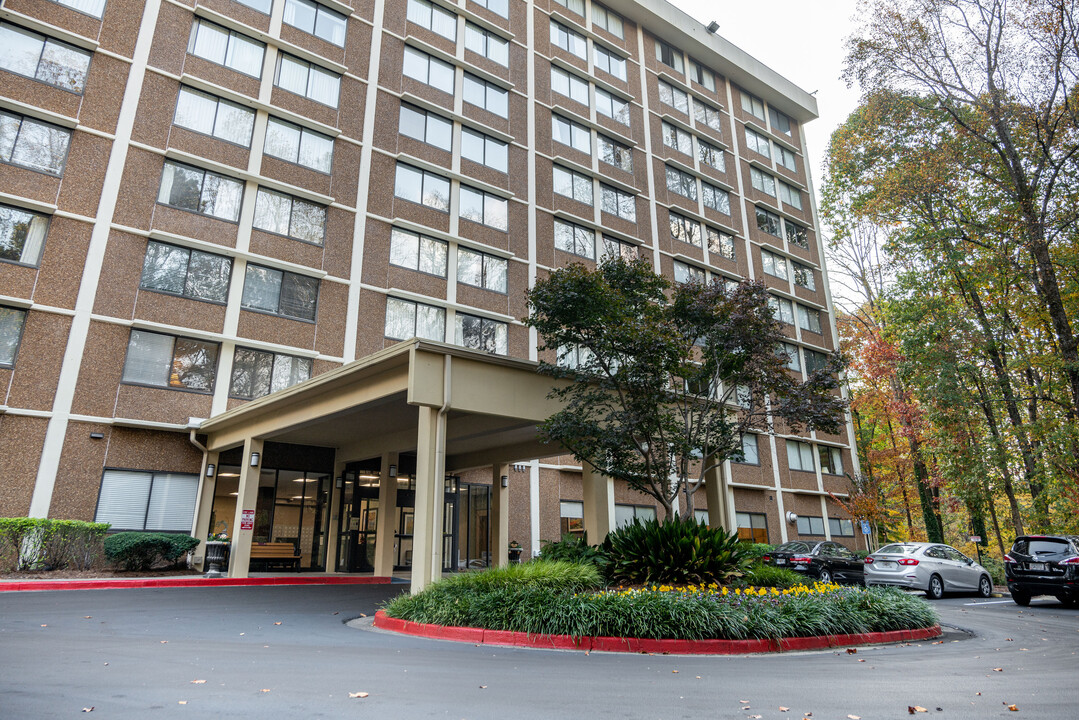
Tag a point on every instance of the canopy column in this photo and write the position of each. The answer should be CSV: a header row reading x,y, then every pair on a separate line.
x,y
500,509
715,492
598,501
336,508
246,500
387,515
430,498
207,488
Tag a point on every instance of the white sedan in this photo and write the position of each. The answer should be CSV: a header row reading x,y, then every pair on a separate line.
x,y
931,567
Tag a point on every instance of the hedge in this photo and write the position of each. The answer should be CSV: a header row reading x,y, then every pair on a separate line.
x,y
143,550
48,544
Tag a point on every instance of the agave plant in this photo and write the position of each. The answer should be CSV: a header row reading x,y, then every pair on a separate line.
x,y
674,551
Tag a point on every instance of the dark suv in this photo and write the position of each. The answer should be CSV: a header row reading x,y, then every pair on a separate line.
x,y
1043,565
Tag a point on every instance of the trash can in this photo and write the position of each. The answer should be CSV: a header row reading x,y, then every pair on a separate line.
x,y
515,554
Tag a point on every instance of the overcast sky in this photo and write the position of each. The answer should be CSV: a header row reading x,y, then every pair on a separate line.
x,y
801,40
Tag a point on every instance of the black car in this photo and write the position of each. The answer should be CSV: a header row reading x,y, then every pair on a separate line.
x,y
824,561
1043,565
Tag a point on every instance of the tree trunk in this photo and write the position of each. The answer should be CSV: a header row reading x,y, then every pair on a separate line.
x,y
1001,453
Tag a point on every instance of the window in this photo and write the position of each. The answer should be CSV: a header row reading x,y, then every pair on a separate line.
x,y
808,525
422,187
790,195
433,17
406,319
670,95
767,221
574,357
33,144
616,202
426,127
809,319
842,527
293,217
485,150
750,452
804,276
800,456
573,185
711,155
570,133
418,252
490,336
815,361
752,105
669,56
609,63
299,145
780,122
762,182
226,47
93,8
481,270
318,20
752,527
613,107
188,273
310,81
484,42
280,293
686,230
256,373
613,248
700,516
487,96
22,235
720,243
210,115
11,324
716,198
200,191
786,158
607,20
788,353
498,7
574,239
774,265
147,501
571,42
796,234
687,273
571,517
707,115
263,6
627,514
568,84
576,6
831,460
484,208
429,70
782,309
170,362
616,154
702,75
681,183
677,139
758,143
36,56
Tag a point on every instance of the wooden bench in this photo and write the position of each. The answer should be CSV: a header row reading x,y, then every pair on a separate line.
x,y
275,554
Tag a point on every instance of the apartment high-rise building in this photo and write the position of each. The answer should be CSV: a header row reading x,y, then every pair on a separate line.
x,y
205,203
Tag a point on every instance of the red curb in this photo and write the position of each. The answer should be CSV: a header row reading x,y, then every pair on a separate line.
x,y
44,585
646,645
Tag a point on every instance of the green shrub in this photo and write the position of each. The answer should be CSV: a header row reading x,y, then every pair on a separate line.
x,y
142,550
572,548
995,568
674,551
755,551
43,543
770,576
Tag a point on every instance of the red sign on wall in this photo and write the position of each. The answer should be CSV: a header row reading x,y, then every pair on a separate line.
x,y
247,520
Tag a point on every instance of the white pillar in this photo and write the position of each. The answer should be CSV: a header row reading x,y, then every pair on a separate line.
x,y
387,517
207,487
598,497
500,516
430,495
246,499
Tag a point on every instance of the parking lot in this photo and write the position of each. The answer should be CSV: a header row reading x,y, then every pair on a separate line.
x,y
287,652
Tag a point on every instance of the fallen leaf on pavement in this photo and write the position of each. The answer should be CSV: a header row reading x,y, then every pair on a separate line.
x,y
862,660
89,709
44,626
265,690
164,642
197,682
998,669
361,614
854,717
754,717
851,651
1013,708
783,709
358,695
674,671
483,687
277,623
87,617
977,693
182,702
915,709
698,677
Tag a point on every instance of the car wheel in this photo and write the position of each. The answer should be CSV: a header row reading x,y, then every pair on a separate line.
x,y
985,587
1068,600
825,576
1021,598
935,591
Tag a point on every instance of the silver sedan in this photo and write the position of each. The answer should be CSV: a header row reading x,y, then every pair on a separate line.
x,y
931,567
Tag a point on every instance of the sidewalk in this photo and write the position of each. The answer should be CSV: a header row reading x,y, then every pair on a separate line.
x,y
256,579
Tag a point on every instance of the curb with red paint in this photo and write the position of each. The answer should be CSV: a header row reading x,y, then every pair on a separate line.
x,y
172,582
479,636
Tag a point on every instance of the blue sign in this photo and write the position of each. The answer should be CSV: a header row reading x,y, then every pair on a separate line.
x,y
865,527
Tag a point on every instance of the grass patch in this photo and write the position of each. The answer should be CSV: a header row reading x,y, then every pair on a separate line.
x,y
770,576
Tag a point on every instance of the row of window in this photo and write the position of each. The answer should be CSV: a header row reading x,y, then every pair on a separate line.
x,y
576,88
406,319
800,457
581,241
703,113
761,145
765,183
753,105
442,76
683,183
672,58
575,44
424,254
685,230
579,137
431,190
681,141
442,22
776,266
814,359
785,311
601,16
771,223
580,187
437,131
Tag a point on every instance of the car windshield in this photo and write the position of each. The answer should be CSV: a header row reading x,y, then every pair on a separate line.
x,y
895,549
793,547
1030,546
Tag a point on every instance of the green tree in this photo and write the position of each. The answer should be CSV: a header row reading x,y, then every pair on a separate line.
x,y
665,380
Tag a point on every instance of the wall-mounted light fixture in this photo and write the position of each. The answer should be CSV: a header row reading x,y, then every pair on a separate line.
x,y
713,26
792,517
255,457
210,470
340,482
393,471
505,481
96,436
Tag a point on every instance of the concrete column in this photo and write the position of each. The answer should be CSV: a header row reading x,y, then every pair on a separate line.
x,y
385,539
598,504
335,514
207,486
715,492
500,516
430,494
246,499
